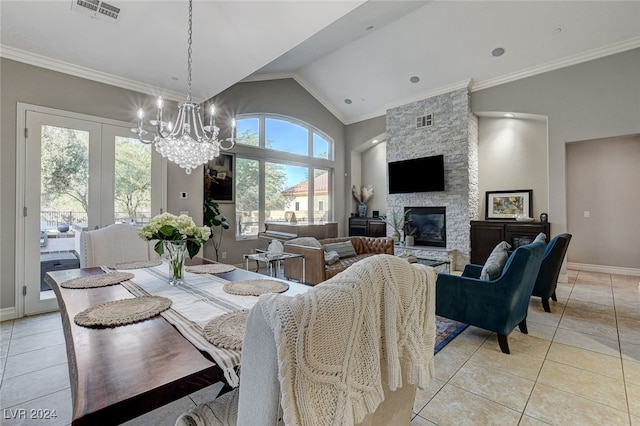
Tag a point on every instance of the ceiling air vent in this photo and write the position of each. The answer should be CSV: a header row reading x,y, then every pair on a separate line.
x,y
97,9
424,121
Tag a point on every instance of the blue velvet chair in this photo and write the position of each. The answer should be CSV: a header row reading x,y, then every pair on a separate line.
x,y
497,305
552,259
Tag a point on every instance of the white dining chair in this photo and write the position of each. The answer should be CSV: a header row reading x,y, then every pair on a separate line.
x,y
113,244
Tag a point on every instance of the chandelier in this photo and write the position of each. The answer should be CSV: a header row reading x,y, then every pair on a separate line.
x,y
189,144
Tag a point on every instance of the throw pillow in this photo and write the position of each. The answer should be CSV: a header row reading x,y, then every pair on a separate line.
x,y
540,238
344,249
495,263
331,257
305,242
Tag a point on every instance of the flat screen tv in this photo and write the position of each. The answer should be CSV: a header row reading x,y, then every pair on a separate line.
x,y
424,174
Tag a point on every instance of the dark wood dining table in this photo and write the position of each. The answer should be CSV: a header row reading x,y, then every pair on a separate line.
x,y
120,373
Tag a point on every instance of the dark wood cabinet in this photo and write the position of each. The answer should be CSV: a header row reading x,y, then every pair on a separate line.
x,y
486,234
367,227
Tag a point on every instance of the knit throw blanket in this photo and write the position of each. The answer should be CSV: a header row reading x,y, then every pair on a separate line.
x,y
333,340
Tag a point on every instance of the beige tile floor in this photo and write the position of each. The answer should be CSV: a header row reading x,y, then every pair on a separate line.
x,y
579,365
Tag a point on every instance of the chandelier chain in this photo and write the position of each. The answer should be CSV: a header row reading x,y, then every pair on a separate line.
x,y
189,50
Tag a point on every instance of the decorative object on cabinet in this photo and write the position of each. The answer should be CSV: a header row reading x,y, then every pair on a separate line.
x,y
509,204
486,234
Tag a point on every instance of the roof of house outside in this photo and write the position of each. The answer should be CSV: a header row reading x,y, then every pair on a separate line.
x,y
320,183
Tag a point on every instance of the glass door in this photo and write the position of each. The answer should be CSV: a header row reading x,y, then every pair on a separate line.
x,y
79,175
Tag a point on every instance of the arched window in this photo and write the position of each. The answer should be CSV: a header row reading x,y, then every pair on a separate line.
x,y
283,166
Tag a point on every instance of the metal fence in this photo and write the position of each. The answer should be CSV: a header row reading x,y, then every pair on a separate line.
x,y
55,218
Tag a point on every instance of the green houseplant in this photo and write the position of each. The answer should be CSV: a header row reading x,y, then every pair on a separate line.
x,y
213,218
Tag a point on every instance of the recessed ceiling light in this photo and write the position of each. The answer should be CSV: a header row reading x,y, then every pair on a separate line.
x,y
498,51
414,79
370,27
374,141
348,101
509,115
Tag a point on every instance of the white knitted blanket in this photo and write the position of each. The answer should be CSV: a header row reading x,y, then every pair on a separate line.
x,y
333,341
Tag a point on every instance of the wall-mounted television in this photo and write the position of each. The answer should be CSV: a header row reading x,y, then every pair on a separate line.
x,y
424,174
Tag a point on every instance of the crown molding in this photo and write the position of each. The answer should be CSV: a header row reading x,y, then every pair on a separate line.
x,y
561,63
41,61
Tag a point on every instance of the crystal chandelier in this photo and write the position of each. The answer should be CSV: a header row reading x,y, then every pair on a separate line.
x,y
189,144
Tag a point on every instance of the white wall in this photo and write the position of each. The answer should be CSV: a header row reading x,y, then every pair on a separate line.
x,y
512,155
374,173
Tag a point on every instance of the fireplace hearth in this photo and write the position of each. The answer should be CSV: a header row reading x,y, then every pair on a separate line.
x,y
430,224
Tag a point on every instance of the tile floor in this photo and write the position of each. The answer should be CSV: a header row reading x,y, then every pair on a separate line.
x,y
579,365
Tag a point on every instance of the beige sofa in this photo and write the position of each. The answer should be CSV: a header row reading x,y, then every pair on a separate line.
x,y
316,269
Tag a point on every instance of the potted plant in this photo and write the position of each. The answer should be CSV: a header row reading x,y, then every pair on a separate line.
x,y
396,220
213,218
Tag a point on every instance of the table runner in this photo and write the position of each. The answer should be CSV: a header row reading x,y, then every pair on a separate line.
x,y
196,302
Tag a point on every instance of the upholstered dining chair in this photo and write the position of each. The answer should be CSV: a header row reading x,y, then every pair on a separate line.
x,y
113,244
349,351
497,305
547,279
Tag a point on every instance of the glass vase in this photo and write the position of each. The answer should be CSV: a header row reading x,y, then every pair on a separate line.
x,y
176,252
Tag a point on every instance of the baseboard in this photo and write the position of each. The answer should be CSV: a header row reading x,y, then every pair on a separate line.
x,y
8,313
616,270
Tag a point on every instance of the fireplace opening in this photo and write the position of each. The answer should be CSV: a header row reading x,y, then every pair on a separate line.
x,y
430,224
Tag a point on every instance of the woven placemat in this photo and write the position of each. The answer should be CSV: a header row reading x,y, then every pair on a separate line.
x,y
227,330
93,281
121,312
137,265
213,268
255,287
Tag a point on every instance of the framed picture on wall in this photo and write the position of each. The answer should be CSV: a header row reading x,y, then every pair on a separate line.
x,y
509,204
218,179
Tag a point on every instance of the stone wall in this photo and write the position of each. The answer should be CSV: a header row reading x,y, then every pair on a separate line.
x,y
454,134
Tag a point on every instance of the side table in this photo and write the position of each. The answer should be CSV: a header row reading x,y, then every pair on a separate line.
x,y
272,260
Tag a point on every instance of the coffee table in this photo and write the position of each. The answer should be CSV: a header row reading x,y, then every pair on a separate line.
x,y
272,260
435,263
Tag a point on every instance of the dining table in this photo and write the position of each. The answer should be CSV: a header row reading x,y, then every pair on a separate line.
x,y
119,373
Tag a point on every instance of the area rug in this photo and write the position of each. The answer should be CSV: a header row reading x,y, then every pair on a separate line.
x,y
446,330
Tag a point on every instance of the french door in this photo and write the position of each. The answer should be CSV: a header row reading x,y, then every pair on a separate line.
x,y
77,173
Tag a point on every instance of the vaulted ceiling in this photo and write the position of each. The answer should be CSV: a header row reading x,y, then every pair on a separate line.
x,y
356,57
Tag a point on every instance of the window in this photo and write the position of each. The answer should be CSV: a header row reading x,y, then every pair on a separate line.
x,y
280,133
247,197
288,169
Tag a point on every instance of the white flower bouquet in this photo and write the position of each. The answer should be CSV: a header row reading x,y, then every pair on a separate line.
x,y
167,227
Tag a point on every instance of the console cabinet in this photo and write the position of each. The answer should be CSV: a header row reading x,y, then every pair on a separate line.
x,y
367,227
486,234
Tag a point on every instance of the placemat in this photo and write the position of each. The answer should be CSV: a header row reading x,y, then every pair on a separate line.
x,y
213,268
255,287
227,330
98,280
121,312
137,265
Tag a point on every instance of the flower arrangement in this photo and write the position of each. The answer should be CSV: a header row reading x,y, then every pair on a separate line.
x,y
170,228
362,195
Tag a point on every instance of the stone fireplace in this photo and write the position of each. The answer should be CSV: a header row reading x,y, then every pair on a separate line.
x,y
430,224
453,133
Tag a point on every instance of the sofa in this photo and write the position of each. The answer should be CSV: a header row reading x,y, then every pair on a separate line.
x,y
317,269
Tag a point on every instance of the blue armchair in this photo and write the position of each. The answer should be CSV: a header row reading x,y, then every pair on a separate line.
x,y
552,259
497,305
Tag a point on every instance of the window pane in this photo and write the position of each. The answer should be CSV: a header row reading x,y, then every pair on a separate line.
x,y
286,190
132,195
286,136
64,179
247,196
320,147
248,131
321,184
